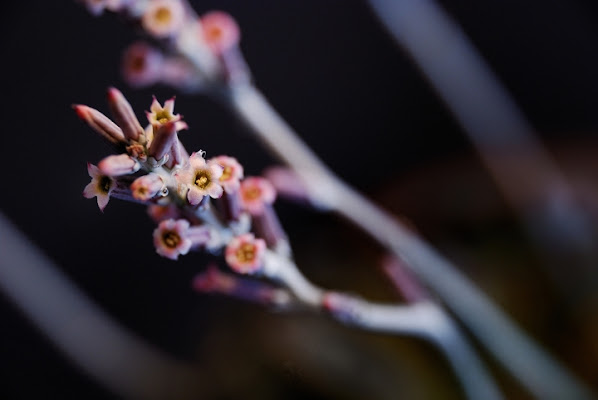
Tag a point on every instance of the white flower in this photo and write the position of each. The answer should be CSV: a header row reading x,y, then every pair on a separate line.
x,y
198,179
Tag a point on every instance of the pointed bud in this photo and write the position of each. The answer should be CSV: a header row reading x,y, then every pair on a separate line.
x,y
163,140
178,155
118,165
124,115
100,123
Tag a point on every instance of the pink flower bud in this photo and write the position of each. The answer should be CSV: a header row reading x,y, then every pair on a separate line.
x,y
178,155
170,238
163,18
254,193
163,140
245,254
117,165
147,186
141,65
100,123
220,31
124,115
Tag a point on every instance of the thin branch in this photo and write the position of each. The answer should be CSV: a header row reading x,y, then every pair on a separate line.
x,y
84,333
523,358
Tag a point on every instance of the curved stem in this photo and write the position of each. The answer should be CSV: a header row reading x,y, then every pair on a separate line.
x,y
524,359
83,332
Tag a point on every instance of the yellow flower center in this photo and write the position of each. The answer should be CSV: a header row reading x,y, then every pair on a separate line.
x,y
246,253
227,173
203,179
163,15
252,193
163,116
171,239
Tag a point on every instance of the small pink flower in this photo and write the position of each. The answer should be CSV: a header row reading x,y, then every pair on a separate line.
x,y
198,179
220,31
147,186
170,238
245,254
232,173
141,64
161,115
163,18
100,186
254,193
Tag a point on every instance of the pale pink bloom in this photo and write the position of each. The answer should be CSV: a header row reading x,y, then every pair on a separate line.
x,y
100,123
170,238
254,193
245,254
100,186
198,179
163,18
124,115
159,213
220,31
117,165
158,115
232,173
147,186
141,64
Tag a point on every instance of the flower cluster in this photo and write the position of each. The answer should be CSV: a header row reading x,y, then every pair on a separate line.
x,y
152,167
193,51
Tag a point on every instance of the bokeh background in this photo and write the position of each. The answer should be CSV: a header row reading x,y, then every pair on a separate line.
x,y
357,99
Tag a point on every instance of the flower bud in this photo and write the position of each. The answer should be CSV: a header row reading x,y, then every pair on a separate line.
x,y
118,165
100,123
124,115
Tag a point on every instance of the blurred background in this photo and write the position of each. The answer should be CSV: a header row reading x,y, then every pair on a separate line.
x,y
357,99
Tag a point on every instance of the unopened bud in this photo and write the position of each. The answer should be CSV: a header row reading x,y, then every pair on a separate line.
x,y
124,115
163,140
118,165
100,123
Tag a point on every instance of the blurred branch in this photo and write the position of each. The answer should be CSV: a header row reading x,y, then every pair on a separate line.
x,y
524,359
84,333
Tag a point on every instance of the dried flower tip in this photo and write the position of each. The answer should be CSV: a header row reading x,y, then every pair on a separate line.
x,y
232,173
159,213
170,238
141,65
198,179
100,123
254,193
137,151
220,31
163,18
161,115
163,140
124,115
245,254
147,186
101,186
118,165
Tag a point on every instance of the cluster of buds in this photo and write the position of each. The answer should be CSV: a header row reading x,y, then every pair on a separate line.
x,y
198,203
190,52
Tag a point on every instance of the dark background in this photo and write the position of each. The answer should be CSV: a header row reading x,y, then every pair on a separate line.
x,y
335,75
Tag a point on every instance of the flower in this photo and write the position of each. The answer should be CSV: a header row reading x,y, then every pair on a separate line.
x,y
100,186
161,115
147,186
198,179
163,18
232,173
220,31
141,64
245,254
254,193
170,238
